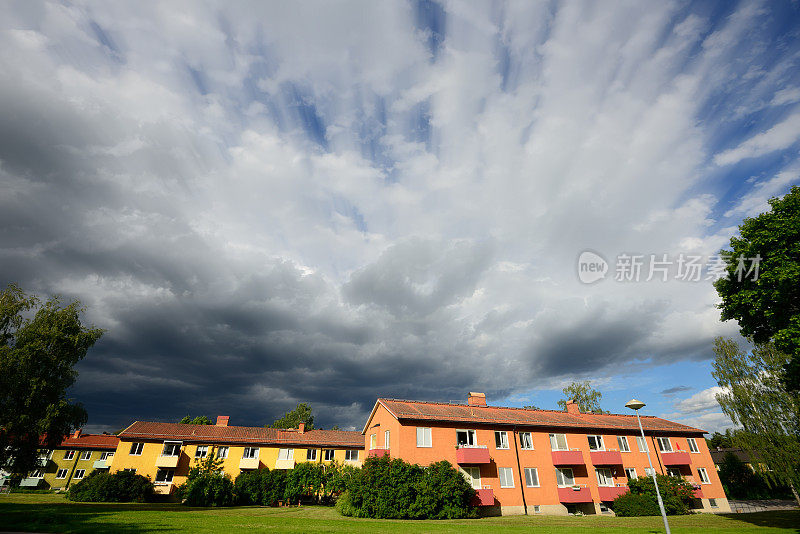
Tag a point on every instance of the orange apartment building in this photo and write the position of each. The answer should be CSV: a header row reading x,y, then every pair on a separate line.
x,y
542,461
166,451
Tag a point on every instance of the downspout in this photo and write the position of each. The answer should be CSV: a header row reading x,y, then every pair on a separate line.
x,y
519,471
72,472
658,456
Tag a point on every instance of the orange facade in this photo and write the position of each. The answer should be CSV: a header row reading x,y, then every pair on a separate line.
x,y
508,454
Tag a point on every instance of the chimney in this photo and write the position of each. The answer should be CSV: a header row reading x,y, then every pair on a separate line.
x,y
222,420
572,407
301,428
76,434
476,399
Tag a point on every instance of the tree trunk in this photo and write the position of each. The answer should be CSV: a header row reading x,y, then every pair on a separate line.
x,y
794,492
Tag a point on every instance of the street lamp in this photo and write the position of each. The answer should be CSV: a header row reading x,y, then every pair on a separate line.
x,y
637,405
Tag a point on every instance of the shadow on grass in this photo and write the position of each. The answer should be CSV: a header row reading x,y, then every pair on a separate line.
x,y
789,519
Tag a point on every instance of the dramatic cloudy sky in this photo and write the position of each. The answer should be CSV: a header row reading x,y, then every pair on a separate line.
x,y
272,202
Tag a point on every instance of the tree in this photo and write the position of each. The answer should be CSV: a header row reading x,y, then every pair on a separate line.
x,y
39,345
582,393
293,418
755,397
199,420
534,407
767,308
720,441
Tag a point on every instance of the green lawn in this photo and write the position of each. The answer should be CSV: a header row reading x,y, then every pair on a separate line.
x,y
52,513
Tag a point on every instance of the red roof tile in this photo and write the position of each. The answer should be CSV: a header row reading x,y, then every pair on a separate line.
x,y
497,415
90,441
242,434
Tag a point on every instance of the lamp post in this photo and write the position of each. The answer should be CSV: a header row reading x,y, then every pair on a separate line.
x,y
636,405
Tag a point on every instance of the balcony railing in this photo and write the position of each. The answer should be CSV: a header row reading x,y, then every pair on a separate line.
x,y
164,488
609,493
676,458
574,494
100,464
167,461
284,463
483,497
570,457
472,454
378,452
609,457
30,482
249,463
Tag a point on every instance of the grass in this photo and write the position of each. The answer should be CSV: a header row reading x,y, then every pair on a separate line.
x,y
52,513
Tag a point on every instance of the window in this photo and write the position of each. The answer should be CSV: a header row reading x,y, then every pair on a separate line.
x,y
164,476
603,508
712,503
604,477
69,455
106,455
531,477
61,473
423,437
286,454
311,455
473,476
525,441
622,442
329,455
171,448
136,449
596,443
351,455
536,509
79,474
36,473
649,471
664,445
465,438
201,452
674,472
506,477
501,439
703,475
558,442
630,472
641,443
386,440
86,455
692,445
250,452
222,453
373,441
564,477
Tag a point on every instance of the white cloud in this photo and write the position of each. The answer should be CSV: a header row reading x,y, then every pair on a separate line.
x,y
780,136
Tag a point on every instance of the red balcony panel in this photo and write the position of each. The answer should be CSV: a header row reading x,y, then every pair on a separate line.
x,y
483,497
378,452
572,495
698,492
472,455
606,457
567,458
609,493
676,458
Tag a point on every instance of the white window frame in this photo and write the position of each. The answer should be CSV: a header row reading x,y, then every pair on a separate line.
x,y
201,451
531,476
63,474
285,454
509,474
674,472
250,453
561,474
693,445
501,440
79,474
554,445
174,448
36,473
523,436
222,453
471,438
473,476
598,442
631,471
649,472
641,444
330,455
607,474
311,455
536,509
69,455
661,442
373,441
622,443
86,455
106,455
424,438
713,503
351,455
703,474
169,474
386,442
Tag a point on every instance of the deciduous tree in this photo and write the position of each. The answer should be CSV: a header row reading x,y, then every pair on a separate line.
x,y
586,397
292,418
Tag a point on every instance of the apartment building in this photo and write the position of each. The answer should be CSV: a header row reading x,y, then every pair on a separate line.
x,y
542,461
166,451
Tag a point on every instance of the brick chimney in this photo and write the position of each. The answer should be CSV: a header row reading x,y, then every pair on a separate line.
x,y
76,434
301,428
222,420
572,407
476,399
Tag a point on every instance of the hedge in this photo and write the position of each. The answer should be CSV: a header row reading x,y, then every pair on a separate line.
x,y
676,494
121,486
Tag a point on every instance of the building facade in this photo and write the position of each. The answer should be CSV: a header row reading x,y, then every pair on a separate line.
x,y
542,461
166,452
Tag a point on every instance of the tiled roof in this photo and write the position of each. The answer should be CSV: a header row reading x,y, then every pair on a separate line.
x,y
496,415
243,434
718,455
90,441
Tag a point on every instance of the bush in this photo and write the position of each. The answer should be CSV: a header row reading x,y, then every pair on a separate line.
x,y
634,505
740,482
676,495
305,480
260,487
207,489
122,486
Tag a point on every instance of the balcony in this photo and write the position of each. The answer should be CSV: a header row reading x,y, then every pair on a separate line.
x,y
284,464
606,457
249,463
609,493
167,461
675,458
30,482
377,453
472,455
163,488
100,464
573,457
483,497
42,461
574,494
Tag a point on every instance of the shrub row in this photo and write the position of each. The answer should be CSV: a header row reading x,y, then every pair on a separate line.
x,y
641,500
122,486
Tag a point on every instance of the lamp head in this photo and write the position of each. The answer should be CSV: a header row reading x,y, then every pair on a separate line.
x,y
634,404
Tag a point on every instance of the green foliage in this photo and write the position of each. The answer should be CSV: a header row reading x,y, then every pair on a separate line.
x,y
768,309
721,441
587,398
207,489
741,482
37,356
260,487
292,419
635,505
305,480
755,397
122,486
387,488
676,493
199,420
